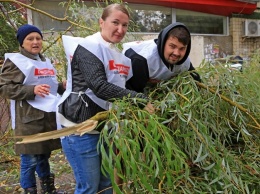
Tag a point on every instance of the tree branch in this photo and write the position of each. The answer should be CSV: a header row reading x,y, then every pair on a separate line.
x,y
230,102
5,13
65,19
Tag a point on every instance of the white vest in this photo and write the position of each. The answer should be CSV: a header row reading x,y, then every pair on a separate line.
x,y
36,72
157,69
117,66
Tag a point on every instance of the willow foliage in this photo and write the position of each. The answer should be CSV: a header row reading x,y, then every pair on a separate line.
x,y
200,140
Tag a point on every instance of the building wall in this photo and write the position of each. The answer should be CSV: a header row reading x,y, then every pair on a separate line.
x,y
203,47
197,50
235,44
217,47
243,46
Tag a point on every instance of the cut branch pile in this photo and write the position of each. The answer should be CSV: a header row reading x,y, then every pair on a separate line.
x,y
204,137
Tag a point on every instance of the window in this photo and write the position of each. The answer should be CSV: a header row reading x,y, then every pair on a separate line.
x,y
152,19
202,23
148,18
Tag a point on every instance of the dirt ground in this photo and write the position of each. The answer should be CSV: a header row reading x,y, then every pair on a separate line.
x,y
9,162
9,175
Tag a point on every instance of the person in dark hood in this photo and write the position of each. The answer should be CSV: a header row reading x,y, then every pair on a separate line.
x,y
160,59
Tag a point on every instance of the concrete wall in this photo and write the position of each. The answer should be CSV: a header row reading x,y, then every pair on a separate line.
x,y
197,50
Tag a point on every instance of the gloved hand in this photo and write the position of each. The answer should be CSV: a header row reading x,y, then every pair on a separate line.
x,y
150,108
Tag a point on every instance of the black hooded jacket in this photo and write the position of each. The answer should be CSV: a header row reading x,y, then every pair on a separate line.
x,y
140,64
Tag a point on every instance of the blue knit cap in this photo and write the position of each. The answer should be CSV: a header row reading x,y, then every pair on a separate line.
x,y
24,30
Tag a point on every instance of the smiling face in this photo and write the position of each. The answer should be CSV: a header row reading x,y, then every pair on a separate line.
x,y
114,26
33,43
174,50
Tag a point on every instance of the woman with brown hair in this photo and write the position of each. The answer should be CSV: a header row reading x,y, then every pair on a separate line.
x,y
97,74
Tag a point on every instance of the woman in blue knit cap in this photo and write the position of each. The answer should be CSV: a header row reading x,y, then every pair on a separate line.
x,y
29,80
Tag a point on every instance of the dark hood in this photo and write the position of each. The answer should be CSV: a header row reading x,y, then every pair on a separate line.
x,y
162,39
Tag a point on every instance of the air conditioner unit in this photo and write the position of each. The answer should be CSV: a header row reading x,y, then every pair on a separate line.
x,y
252,28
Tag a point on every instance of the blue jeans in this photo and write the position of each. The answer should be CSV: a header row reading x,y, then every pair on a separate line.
x,y
30,164
85,160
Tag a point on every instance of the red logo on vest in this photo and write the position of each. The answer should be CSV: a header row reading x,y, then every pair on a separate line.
x,y
44,72
121,68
